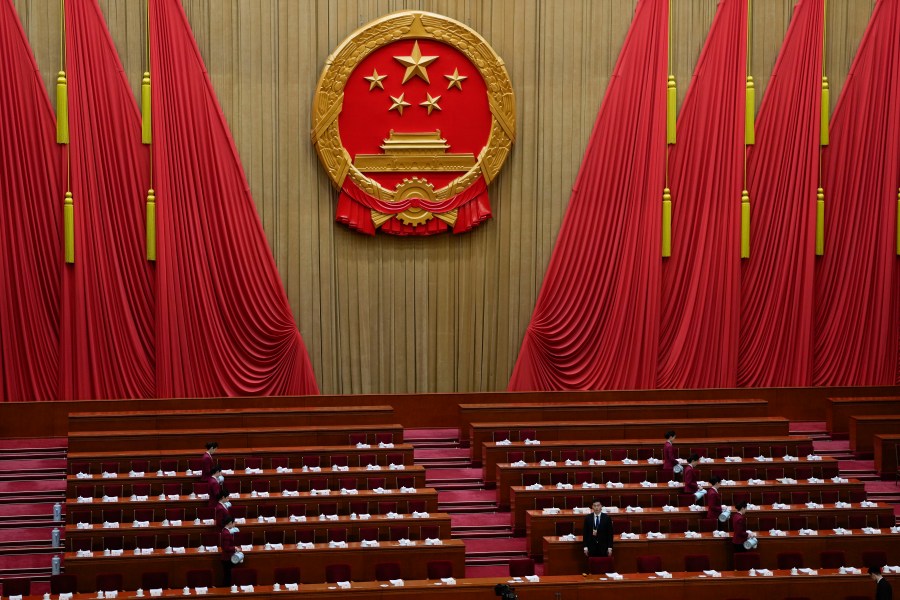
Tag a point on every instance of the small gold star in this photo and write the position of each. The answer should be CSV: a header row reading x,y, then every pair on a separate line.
x,y
375,80
431,104
415,64
399,104
455,80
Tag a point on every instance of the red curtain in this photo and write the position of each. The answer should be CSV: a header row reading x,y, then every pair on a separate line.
x,y
857,287
224,326
782,173
596,322
107,310
700,308
31,200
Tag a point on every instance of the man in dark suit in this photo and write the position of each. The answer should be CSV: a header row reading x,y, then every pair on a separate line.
x,y
598,532
883,589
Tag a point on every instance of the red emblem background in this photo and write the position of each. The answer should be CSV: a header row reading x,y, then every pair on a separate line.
x,y
465,120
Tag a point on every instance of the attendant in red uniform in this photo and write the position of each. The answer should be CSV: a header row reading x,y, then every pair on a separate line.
x,y
670,455
714,500
223,508
207,458
739,533
690,477
229,551
214,482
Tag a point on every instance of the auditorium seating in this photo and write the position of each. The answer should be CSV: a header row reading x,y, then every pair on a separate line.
x,y
232,417
317,564
230,437
523,499
539,525
839,410
563,557
483,432
591,411
236,458
638,449
509,475
864,428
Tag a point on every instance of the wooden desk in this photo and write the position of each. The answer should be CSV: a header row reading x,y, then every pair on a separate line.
x,y
885,446
828,585
508,475
326,455
312,503
839,410
483,432
241,481
492,453
523,499
153,420
312,562
567,558
319,529
601,411
539,525
863,429
228,437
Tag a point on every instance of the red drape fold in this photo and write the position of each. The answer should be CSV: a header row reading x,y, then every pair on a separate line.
x,y
31,200
700,308
224,326
858,279
107,310
596,321
782,169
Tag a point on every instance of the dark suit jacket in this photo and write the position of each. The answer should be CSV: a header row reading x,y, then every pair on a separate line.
x,y
599,544
883,590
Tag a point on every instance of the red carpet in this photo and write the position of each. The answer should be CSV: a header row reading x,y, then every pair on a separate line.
x,y
27,443
481,519
495,545
431,434
479,496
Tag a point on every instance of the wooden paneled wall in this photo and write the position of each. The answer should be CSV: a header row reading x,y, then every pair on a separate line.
x,y
445,313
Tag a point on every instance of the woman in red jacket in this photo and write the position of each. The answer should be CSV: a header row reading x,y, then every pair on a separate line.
x,y
670,455
230,555
739,533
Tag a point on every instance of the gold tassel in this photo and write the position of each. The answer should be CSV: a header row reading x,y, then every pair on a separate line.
x,y
745,224
69,227
667,223
151,225
671,98
62,109
826,111
146,131
750,113
820,222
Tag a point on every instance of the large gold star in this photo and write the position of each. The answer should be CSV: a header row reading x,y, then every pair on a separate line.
x,y
431,104
415,64
455,80
398,104
375,80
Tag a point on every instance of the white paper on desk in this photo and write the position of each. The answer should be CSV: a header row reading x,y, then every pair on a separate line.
x,y
201,590
433,542
344,585
448,580
246,547
396,582
156,593
247,588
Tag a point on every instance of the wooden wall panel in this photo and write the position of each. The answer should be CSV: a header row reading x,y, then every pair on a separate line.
x,y
446,313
